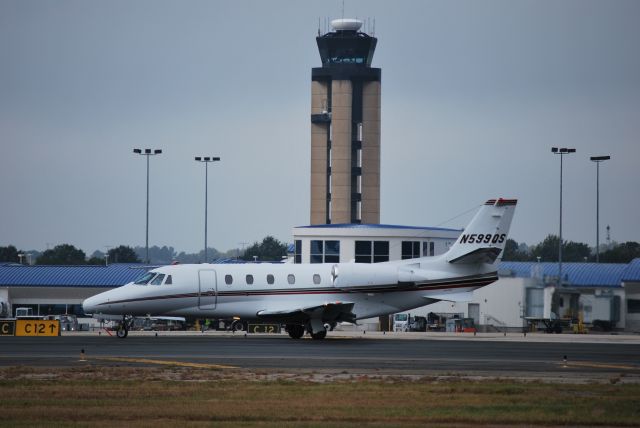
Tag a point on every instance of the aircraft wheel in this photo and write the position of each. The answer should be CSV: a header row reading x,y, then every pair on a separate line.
x,y
319,335
122,332
237,326
295,331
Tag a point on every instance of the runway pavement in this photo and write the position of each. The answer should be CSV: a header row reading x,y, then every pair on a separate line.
x,y
536,355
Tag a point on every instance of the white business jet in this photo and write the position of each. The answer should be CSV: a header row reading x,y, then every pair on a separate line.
x,y
314,297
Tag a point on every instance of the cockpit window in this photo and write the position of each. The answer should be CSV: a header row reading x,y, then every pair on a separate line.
x,y
144,280
169,281
158,279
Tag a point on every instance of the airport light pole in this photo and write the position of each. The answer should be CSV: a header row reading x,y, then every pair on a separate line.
x,y
147,153
206,160
597,160
562,151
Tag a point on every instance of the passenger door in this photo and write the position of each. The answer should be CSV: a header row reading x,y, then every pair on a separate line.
x,y
207,289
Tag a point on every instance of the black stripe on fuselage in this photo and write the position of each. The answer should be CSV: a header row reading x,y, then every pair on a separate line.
x,y
453,283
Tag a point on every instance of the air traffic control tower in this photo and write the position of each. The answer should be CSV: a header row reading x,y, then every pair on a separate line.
x,y
345,128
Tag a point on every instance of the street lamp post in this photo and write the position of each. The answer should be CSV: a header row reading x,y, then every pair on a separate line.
x,y
147,153
206,160
597,160
563,151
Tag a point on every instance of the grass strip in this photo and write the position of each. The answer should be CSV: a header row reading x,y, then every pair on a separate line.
x,y
186,396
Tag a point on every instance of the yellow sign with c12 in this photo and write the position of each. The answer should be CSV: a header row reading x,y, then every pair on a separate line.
x,y
37,328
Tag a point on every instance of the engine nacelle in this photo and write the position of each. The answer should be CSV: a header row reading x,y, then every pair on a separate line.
x,y
355,275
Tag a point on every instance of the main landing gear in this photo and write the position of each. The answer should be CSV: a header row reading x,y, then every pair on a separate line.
x,y
296,331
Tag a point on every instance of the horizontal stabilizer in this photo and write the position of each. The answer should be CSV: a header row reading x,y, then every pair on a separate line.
x,y
480,255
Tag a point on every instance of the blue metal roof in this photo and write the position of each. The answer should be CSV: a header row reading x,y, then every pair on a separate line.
x,y
113,275
576,274
632,271
375,226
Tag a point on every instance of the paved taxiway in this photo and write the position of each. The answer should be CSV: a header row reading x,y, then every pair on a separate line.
x,y
533,356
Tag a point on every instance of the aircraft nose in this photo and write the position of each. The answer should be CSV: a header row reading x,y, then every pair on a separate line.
x,y
89,305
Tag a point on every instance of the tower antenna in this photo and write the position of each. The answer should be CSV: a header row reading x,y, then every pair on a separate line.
x,y
342,9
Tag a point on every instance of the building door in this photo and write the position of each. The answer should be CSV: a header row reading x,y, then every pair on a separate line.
x,y
474,312
207,290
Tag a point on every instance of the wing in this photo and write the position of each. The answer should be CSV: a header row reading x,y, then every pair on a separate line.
x,y
450,297
326,313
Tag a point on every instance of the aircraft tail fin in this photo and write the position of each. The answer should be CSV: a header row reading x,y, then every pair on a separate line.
x,y
484,239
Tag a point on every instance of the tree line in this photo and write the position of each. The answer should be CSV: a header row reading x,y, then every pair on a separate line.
x,y
270,249
547,251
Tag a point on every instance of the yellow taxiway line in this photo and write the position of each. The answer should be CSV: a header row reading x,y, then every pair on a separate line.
x,y
599,365
165,362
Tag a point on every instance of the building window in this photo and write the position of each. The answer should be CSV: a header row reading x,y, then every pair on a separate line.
x,y
368,251
633,306
291,279
316,279
428,249
363,252
316,252
249,279
331,251
325,251
298,252
380,251
410,249
228,279
270,279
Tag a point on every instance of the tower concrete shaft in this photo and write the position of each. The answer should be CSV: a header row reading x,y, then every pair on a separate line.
x,y
345,128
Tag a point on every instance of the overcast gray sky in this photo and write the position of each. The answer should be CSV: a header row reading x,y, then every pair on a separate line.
x,y
474,95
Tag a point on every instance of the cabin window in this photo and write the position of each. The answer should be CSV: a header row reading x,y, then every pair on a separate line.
x,y
169,281
316,279
144,280
249,279
158,279
270,279
410,249
228,279
291,279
